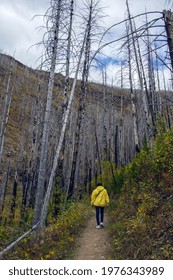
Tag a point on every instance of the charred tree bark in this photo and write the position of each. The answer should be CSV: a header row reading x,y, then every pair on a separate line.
x,y
132,94
168,17
66,87
81,108
116,146
14,194
5,116
98,152
44,148
3,189
59,146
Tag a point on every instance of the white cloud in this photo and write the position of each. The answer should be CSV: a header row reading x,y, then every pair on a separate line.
x,y
17,31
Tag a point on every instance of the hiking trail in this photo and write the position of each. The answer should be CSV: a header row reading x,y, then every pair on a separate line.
x,y
93,244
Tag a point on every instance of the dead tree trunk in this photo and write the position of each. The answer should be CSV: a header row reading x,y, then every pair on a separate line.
x,y
14,194
32,172
3,189
139,72
58,150
44,148
81,108
8,98
105,133
98,151
66,87
7,249
168,17
132,94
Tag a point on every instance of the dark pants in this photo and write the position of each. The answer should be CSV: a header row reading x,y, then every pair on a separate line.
x,y
99,214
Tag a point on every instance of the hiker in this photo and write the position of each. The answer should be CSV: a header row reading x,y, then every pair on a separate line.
x,y
100,199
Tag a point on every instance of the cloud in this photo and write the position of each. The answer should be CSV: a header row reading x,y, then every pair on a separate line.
x,y
18,32
17,29
115,52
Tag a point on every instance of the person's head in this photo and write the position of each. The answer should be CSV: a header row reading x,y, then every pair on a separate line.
x,y
99,184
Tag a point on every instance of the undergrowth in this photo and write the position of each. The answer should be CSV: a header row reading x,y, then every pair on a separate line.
x,y
142,215
58,238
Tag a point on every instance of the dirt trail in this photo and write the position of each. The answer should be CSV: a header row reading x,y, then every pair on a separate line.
x,y
94,244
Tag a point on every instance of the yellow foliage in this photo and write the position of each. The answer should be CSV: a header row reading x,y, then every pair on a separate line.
x,y
142,215
58,238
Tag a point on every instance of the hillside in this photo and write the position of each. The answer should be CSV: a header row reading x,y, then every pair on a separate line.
x,y
27,90
140,222
23,98
29,87
140,185
142,216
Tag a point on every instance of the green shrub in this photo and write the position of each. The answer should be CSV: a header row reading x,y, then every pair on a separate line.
x,y
141,219
57,240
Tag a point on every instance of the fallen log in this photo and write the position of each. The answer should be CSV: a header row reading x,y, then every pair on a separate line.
x,y
8,248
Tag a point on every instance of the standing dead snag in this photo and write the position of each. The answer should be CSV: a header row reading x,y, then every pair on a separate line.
x,y
61,163
67,71
59,146
132,94
7,103
44,147
84,51
168,17
83,92
3,188
138,60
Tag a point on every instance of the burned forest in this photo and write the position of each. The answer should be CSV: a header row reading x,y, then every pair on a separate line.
x,y
61,132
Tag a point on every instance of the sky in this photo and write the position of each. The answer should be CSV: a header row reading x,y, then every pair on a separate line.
x,y
19,31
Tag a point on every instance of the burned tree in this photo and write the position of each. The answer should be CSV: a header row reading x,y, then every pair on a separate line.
x,y
52,52
168,18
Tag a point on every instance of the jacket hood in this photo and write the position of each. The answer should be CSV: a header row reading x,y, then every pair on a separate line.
x,y
100,188
99,197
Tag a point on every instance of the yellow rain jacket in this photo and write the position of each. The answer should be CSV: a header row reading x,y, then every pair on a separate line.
x,y
99,197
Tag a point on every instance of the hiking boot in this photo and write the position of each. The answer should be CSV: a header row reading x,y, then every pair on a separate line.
x,y
101,225
98,226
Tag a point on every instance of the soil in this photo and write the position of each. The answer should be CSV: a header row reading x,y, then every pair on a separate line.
x,y
93,244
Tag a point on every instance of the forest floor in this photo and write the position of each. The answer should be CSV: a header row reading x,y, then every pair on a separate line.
x,y
93,244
